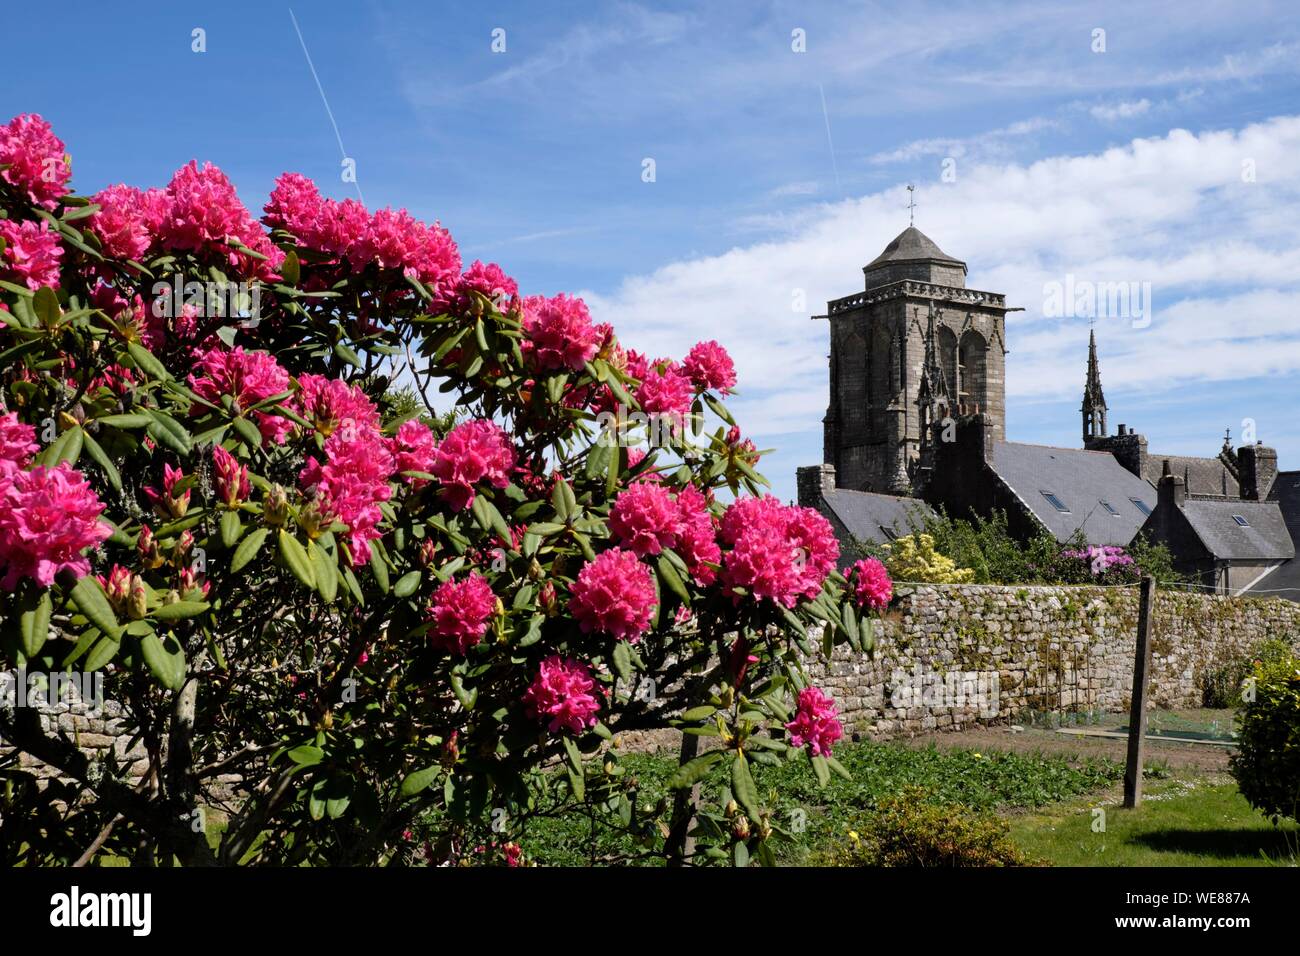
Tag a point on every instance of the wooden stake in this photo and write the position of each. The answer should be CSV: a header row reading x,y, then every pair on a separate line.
x,y
1137,722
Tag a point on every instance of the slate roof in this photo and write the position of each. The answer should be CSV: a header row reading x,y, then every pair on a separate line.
x,y
866,515
1205,476
910,245
1263,537
1081,480
1285,581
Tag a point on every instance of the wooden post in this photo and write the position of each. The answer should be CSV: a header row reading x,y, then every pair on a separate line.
x,y
1137,722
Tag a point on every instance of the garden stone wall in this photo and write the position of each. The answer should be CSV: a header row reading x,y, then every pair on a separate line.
x,y
953,656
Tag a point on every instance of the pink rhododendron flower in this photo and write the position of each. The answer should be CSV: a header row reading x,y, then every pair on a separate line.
x,y
231,477
122,222
17,444
167,503
394,239
665,392
561,695
295,205
815,723
459,613
117,586
331,403
645,518
872,587
339,226
615,595
202,210
559,333
48,518
32,253
472,452
413,447
248,377
696,537
351,484
779,552
710,367
487,280
36,159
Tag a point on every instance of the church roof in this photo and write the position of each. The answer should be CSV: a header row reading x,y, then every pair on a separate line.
x,y
877,518
910,245
1083,482
1204,476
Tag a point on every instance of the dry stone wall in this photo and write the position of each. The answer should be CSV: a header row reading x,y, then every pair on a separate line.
x,y
952,656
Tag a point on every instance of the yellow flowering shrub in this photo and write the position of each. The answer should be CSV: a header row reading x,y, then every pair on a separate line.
x,y
914,558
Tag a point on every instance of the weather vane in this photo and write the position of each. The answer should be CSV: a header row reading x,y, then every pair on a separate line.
x,y
911,204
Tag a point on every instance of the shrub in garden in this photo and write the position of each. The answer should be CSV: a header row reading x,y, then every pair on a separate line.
x,y
1266,763
219,492
908,830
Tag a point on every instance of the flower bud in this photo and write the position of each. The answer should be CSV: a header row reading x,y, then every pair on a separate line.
x,y
546,597
275,507
740,827
138,602
311,519
117,586
150,555
428,552
731,809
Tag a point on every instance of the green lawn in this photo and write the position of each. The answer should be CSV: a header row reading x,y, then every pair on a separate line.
x,y
1182,822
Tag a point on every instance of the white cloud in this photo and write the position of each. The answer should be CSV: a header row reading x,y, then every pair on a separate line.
x,y
1125,109
1222,257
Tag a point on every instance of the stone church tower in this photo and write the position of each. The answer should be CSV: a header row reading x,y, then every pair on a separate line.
x,y
911,352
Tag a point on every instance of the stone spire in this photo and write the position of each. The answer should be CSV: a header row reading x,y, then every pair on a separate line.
x,y
1094,402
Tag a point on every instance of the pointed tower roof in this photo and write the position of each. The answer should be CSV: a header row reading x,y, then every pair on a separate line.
x,y
914,255
1092,394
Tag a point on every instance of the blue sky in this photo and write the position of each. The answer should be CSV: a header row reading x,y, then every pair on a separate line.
x,y
1122,165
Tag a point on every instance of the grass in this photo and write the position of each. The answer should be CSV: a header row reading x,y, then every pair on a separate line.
x,y
982,781
1180,822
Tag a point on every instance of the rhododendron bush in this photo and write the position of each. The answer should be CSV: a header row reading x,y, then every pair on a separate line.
x,y
328,618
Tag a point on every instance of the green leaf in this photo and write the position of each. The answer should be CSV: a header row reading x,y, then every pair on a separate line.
x,y
249,433
694,770
699,713
575,755
347,355
289,269
179,611
45,303
248,549
623,661
231,528
326,571
563,500
104,650
295,558
133,420
34,623
821,769
306,755
418,781
467,698
168,431
146,362
105,463
379,569
673,579
407,584
742,786
165,660
839,768
92,602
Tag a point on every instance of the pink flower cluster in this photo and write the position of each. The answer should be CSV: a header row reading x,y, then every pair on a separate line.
x,y
559,333
351,484
17,444
778,552
664,390
249,378
48,518
816,724
201,210
710,367
32,253
414,448
123,221
647,518
472,452
872,587
390,239
459,613
1101,558
36,161
561,695
615,595
487,280
331,403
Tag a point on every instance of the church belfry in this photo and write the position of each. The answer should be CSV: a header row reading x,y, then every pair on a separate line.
x,y
913,349
1094,402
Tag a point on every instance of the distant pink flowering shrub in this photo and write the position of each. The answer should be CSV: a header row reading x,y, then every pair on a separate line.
x,y
474,451
35,158
559,332
815,723
709,367
49,517
561,695
615,595
459,613
32,253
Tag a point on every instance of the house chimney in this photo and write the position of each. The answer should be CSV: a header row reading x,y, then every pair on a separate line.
x,y
1256,469
1171,492
812,482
